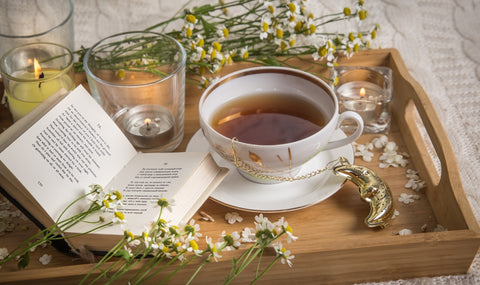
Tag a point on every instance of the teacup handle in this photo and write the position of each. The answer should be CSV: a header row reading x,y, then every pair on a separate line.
x,y
348,140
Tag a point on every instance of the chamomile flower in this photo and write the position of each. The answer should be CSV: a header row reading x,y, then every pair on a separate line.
x,y
284,226
212,248
244,52
118,218
265,28
165,203
222,32
191,19
283,253
192,246
192,229
232,240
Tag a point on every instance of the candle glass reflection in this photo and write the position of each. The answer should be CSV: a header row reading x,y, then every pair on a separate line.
x,y
367,91
139,79
29,21
33,72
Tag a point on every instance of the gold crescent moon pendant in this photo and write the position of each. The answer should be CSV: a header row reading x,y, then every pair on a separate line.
x,y
373,189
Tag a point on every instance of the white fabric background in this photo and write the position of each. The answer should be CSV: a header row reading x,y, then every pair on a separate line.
x,y
438,40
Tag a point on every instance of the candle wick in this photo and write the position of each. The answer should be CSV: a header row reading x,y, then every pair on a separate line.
x,y
41,76
148,126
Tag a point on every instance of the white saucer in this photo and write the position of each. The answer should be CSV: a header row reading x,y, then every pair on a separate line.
x,y
237,192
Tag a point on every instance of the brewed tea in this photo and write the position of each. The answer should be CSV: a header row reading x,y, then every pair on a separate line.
x,y
268,119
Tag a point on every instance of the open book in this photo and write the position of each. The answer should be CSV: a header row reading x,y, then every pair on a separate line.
x,y
51,156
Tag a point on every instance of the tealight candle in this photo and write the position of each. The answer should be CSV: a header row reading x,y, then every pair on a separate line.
x,y
145,95
367,91
148,125
28,82
361,97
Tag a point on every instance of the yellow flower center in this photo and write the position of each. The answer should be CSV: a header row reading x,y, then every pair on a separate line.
x,y
374,34
356,47
322,51
292,7
289,228
191,18
213,55
119,215
347,11
283,46
121,74
217,46
362,14
279,33
118,195
298,26
265,26
351,37
292,42
189,32
193,245
225,32
271,9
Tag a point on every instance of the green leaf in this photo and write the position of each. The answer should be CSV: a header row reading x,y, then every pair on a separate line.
x,y
203,9
207,27
123,254
24,260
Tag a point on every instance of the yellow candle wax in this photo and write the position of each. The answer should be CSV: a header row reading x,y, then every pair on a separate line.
x,y
28,92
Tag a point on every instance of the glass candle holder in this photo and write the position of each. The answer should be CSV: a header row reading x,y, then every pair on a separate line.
x,y
139,79
33,72
367,91
28,21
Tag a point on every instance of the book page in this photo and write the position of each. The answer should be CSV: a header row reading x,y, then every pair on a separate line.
x,y
72,146
150,176
146,178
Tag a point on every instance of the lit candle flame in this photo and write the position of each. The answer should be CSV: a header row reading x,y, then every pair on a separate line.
x,y
147,123
37,68
362,92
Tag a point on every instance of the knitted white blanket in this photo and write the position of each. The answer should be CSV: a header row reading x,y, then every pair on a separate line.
x,y
438,40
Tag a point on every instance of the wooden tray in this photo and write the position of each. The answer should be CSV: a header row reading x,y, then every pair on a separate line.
x,y
334,245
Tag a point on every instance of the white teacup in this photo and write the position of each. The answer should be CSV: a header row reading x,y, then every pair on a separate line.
x,y
284,159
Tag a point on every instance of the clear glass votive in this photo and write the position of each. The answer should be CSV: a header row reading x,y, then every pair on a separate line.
x,y
28,21
368,91
33,72
139,79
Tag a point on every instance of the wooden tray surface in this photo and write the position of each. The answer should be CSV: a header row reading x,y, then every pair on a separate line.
x,y
334,245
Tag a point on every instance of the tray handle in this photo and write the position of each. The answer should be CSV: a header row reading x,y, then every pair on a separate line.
x,y
444,188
